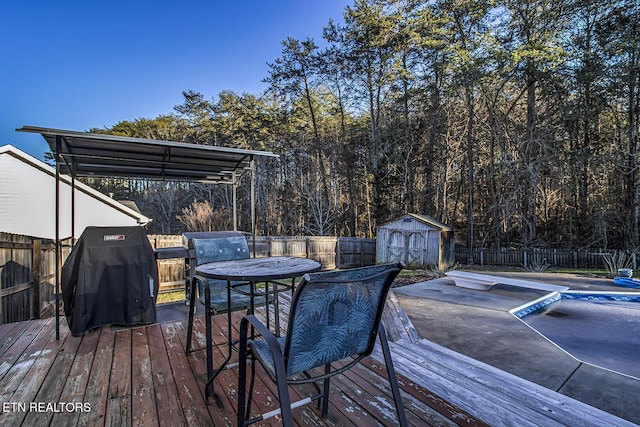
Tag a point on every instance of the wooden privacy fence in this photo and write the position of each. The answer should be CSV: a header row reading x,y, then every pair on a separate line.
x,y
332,252
170,271
355,252
28,292
27,276
533,258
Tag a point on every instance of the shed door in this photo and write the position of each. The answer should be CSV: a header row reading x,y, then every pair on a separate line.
x,y
416,249
396,246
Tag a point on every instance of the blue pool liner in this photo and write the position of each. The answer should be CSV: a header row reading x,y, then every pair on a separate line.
x,y
626,282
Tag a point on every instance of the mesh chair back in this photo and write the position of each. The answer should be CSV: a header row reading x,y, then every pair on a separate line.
x,y
229,246
335,315
220,249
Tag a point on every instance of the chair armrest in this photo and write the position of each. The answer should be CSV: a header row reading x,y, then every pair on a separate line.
x,y
256,323
269,337
274,347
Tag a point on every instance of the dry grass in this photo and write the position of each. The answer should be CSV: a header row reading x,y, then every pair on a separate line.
x,y
173,296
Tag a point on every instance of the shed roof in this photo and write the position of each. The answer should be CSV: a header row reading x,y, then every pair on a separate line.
x,y
98,155
422,218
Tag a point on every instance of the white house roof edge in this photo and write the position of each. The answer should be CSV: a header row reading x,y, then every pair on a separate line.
x,y
50,170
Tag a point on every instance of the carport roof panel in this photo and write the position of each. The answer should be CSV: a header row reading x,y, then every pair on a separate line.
x,y
98,155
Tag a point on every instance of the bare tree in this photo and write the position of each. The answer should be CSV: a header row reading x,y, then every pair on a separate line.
x,y
200,216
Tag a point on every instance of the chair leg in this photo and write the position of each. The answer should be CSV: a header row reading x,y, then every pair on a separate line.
x,y
252,381
276,311
395,390
242,375
325,397
207,299
192,302
285,401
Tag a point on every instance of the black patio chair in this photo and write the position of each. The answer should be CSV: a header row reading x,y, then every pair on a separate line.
x,y
214,294
334,316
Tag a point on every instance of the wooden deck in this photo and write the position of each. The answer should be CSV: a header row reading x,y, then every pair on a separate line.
x,y
141,376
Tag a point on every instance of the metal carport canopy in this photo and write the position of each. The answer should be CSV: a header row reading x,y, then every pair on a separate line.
x,y
97,155
107,156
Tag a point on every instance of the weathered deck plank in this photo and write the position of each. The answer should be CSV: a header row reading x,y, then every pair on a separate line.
x,y
118,410
17,345
143,402
75,384
164,386
10,332
39,361
423,397
52,387
25,354
97,393
187,384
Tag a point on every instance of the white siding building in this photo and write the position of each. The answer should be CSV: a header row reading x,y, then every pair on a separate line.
x,y
28,197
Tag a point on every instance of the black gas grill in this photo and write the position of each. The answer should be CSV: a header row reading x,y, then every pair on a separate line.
x,y
110,277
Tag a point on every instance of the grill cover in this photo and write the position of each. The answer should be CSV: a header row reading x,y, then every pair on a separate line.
x,y
110,277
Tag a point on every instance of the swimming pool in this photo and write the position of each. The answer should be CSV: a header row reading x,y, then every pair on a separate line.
x,y
598,328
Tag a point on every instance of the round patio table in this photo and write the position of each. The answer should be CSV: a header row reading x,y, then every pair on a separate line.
x,y
258,269
250,271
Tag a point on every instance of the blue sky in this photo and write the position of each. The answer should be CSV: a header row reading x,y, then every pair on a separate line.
x,y
81,64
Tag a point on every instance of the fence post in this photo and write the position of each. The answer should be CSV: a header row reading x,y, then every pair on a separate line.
x,y
306,247
36,260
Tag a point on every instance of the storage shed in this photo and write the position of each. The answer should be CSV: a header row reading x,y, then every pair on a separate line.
x,y
420,241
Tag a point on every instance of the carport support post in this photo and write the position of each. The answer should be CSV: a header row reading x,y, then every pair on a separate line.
x,y
36,260
73,206
253,204
58,150
234,198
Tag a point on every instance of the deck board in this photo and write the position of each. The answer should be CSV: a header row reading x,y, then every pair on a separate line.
x,y
118,404
24,379
97,393
10,332
143,402
52,387
167,401
75,384
17,347
187,389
